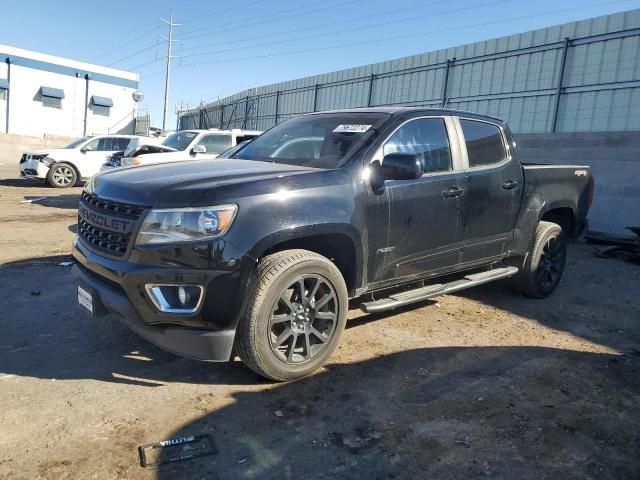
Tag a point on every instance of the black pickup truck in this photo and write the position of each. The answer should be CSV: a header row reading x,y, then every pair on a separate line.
x,y
260,254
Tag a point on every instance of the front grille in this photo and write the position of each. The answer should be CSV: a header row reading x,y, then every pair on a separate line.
x,y
107,206
101,237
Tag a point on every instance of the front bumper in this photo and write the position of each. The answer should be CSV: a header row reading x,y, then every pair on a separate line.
x,y
33,169
206,345
118,287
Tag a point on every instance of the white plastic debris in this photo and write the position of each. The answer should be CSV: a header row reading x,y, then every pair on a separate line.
x,y
33,200
65,264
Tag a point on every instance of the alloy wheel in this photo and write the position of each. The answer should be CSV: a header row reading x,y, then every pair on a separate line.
x,y
303,319
551,263
63,176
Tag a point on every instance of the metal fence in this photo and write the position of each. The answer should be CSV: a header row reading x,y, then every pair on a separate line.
x,y
582,76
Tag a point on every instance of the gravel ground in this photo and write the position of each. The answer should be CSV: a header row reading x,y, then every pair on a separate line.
x,y
484,383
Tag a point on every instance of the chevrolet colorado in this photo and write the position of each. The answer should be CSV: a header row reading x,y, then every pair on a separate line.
x,y
259,254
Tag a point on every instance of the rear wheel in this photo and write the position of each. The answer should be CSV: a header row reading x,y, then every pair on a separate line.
x,y
544,266
296,313
62,175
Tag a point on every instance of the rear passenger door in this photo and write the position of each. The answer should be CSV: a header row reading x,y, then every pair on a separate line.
x,y
494,195
424,224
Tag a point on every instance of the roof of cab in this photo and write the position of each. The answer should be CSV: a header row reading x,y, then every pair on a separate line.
x,y
410,110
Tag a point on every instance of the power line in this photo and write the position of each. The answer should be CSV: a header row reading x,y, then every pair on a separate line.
x,y
245,20
365,27
135,54
143,64
304,29
127,43
220,12
286,17
398,37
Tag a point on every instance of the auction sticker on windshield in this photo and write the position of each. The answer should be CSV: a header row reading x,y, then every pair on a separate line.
x,y
350,128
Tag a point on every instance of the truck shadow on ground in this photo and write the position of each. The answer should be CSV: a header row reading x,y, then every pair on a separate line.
x,y
23,182
31,183
504,412
67,201
63,343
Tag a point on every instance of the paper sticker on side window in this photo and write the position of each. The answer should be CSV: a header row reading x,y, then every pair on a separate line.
x,y
351,128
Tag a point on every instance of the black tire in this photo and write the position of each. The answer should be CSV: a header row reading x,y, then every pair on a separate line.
x,y
62,175
275,305
543,268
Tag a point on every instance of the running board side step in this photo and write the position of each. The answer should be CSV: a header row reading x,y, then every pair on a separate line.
x,y
430,291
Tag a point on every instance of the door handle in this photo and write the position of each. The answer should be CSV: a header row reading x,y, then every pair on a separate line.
x,y
509,184
452,192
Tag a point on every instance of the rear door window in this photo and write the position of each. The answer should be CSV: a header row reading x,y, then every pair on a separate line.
x,y
106,144
121,143
484,143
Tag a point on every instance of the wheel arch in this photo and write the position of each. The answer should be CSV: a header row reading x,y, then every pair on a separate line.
x,y
563,215
534,210
338,243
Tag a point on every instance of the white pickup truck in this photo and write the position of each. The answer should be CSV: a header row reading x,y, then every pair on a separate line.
x,y
186,145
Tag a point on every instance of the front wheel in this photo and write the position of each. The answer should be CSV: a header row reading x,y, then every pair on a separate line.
x,y
544,266
62,175
296,312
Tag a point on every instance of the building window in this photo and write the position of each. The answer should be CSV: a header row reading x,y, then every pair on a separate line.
x,y
51,102
101,105
51,97
101,110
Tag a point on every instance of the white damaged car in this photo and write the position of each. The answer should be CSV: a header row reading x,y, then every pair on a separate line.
x,y
64,167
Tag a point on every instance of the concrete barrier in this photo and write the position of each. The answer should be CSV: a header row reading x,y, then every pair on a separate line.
x,y
13,146
614,158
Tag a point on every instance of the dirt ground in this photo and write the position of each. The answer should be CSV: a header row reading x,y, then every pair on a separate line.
x,y
481,384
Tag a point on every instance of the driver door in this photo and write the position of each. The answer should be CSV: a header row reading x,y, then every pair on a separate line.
x,y
93,155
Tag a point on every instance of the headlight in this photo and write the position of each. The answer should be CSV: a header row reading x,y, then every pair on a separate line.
x,y
186,224
89,185
48,161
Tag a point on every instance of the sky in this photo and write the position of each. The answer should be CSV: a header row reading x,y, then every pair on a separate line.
x,y
226,47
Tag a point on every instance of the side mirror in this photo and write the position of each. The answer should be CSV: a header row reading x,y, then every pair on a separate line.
x,y
199,149
86,149
401,166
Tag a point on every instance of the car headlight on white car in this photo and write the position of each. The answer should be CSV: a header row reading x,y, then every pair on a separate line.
x,y
173,225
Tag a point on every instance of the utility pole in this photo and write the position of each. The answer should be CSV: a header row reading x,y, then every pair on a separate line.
x,y
169,41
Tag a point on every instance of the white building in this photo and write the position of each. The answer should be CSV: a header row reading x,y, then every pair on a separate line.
x,y
43,94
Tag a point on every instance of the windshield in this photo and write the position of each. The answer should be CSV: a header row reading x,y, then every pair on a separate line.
x,y
78,142
326,140
179,140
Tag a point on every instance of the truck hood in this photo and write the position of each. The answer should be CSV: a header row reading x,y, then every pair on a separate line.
x,y
190,183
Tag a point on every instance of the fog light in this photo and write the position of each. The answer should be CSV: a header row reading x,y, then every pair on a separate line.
x,y
177,299
183,296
